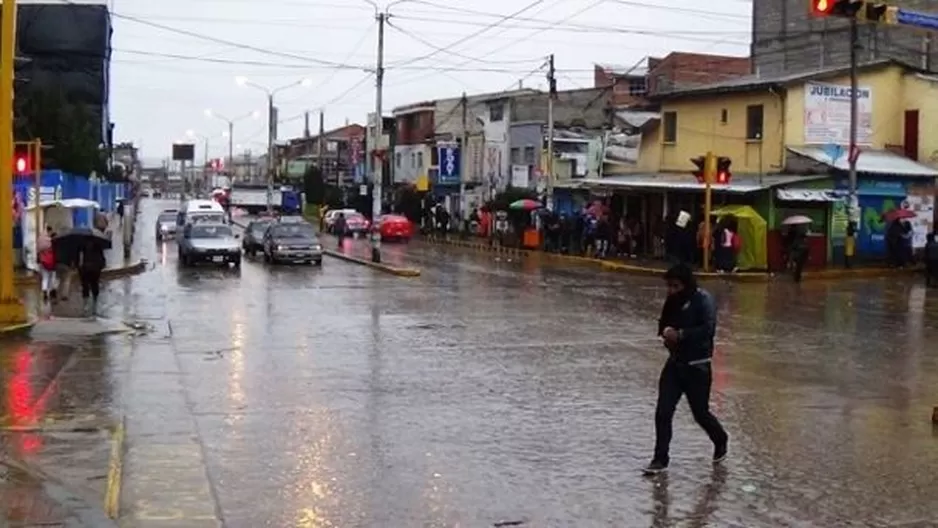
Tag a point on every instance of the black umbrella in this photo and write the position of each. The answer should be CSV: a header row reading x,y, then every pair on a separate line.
x,y
80,236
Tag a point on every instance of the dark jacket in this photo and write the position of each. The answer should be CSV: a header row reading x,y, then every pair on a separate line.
x,y
694,315
931,252
91,257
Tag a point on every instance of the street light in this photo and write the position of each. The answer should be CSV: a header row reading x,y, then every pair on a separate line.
x,y
231,122
271,126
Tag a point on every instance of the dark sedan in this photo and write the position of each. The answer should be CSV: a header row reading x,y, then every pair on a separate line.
x,y
253,241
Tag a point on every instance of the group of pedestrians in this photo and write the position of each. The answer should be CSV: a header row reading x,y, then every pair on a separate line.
x,y
58,262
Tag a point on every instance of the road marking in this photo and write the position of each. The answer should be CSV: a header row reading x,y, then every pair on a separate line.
x,y
115,473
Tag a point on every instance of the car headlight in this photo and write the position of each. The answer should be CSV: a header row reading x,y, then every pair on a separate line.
x,y
280,248
317,247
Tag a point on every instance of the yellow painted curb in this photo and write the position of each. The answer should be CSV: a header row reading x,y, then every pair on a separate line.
x,y
109,273
115,473
19,328
400,272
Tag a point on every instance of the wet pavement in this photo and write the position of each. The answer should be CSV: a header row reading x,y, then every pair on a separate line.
x,y
488,390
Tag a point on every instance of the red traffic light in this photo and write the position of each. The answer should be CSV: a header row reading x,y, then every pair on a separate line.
x,y
822,8
22,164
700,162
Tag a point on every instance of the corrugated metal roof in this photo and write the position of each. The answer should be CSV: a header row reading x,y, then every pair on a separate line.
x,y
870,161
740,184
637,118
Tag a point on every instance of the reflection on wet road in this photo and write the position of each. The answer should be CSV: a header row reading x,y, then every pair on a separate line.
x,y
492,390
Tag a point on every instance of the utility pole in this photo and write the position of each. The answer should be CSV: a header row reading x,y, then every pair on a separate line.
x,y
853,152
306,125
552,83
231,163
12,311
376,165
463,149
271,132
320,151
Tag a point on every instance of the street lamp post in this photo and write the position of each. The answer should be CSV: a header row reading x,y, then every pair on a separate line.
x,y
271,128
194,135
231,124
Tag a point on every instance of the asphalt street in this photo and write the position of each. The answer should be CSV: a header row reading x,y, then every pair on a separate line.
x,y
490,390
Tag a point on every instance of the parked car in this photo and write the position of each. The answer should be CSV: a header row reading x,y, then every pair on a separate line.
x,y
166,224
356,224
395,227
331,216
204,242
253,240
292,242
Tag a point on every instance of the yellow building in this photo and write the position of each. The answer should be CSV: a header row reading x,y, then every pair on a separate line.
x,y
788,141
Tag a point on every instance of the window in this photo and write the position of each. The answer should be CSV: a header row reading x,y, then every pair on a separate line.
x,y
397,160
420,160
529,156
638,87
413,160
434,157
496,112
670,127
754,117
515,156
724,116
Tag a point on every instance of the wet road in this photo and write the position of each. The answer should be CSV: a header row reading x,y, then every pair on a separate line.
x,y
492,390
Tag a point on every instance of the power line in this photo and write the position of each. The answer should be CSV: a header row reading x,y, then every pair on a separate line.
x,y
466,38
450,52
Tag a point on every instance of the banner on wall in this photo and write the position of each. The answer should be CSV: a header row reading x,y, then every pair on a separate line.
x,y
827,114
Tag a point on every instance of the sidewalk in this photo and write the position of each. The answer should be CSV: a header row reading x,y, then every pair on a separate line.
x,y
653,267
29,499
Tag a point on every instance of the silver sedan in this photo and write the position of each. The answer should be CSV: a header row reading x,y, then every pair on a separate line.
x,y
166,225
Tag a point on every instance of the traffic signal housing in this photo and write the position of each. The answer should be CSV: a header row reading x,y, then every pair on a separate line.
x,y
724,176
718,169
23,159
701,163
859,9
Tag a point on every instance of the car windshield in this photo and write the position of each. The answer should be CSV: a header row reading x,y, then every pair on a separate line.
x,y
354,218
210,231
214,218
167,218
258,228
292,231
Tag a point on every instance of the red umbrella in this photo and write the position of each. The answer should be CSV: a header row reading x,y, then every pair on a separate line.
x,y
898,214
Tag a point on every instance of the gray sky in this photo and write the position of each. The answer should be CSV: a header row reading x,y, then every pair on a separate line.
x,y
163,78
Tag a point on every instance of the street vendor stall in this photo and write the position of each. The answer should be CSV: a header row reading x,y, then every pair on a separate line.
x,y
58,214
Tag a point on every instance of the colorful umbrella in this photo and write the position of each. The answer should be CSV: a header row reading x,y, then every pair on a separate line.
x,y
898,214
525,205
797,220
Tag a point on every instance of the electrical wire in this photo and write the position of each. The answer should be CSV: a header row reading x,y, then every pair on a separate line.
x,y
431,45
361,41
471,36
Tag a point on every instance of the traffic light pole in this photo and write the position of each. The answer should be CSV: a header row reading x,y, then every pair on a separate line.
x,y
853,209
710,171
377,164
12,311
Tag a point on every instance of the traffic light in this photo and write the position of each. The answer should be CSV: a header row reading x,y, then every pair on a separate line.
x,y
701,163
859,9
22,159
723,170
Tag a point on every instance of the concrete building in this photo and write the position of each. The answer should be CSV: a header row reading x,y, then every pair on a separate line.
x,y
787,39
341,148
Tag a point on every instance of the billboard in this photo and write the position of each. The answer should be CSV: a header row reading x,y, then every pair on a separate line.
x,y
183,152
827,114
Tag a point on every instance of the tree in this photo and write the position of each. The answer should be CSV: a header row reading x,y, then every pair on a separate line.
x,y
65,126
317,191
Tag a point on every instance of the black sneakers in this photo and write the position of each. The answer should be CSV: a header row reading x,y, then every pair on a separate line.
x,y
655,468
719,452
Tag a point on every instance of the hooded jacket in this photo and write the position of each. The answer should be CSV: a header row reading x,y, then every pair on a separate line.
x,y
693,314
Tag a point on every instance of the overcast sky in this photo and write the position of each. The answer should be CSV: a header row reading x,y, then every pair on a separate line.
x,y
173,59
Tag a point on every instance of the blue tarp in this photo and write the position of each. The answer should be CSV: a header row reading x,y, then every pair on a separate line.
x,y
58,185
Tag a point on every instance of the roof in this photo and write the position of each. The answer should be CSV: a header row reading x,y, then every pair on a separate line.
x,y
740,184
637,118
753,82
871,161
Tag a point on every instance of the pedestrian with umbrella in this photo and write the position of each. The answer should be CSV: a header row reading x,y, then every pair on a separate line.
x,y
796,244
88,246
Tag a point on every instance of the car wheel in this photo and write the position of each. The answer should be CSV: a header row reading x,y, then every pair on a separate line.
x,y
237,263
319,262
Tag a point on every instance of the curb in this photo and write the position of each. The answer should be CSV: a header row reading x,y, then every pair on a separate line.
x,y
115,473
19,329
108,274
399,272
618,267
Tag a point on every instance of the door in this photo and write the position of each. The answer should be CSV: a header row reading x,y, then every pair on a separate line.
x,y
910,136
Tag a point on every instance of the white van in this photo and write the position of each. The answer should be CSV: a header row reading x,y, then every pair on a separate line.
x,y
194,211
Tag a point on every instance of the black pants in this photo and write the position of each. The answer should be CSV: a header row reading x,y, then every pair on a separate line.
x,y
931,273
90,283
799,260
677,380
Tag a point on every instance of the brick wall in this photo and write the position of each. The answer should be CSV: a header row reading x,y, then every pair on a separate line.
x,y
584,108
786,39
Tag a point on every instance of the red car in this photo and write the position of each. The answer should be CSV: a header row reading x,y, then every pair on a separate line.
x,y
356,223
395,227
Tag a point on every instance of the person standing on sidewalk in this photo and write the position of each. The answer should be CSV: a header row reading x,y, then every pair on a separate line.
x,y
91,263
687,325
46,260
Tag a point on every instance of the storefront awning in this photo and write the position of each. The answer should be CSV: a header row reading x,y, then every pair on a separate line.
x,y
741,184
870,161
808,195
